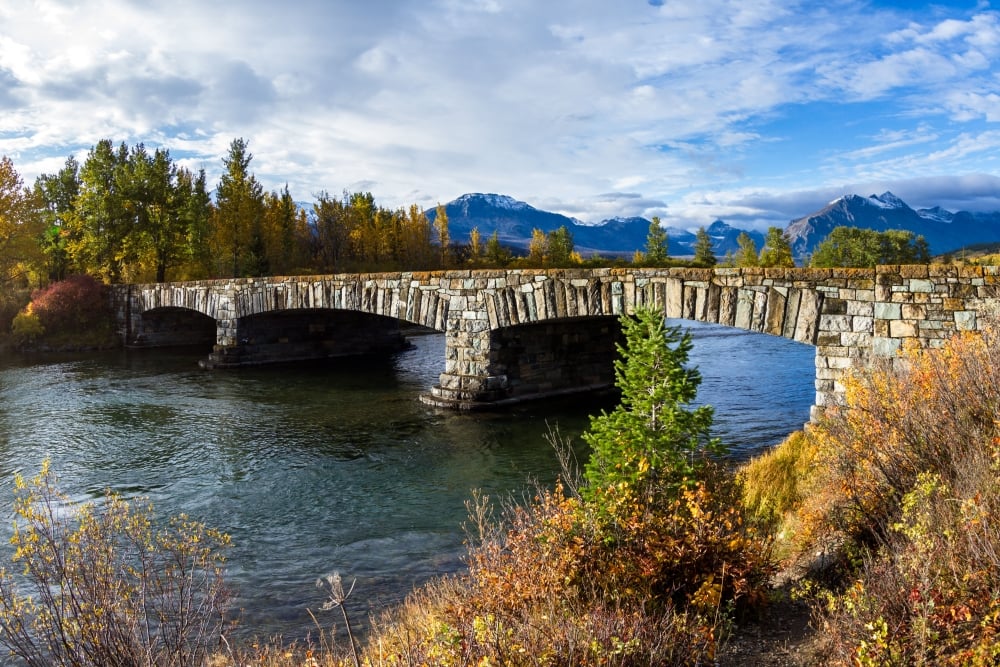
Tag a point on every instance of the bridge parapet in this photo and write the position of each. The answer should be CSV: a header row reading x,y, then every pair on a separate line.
x,y
851,316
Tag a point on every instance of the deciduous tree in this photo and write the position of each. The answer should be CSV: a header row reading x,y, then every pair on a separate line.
x,y
20,227
777,251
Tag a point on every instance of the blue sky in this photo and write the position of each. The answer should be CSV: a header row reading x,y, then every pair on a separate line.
x,y
756,112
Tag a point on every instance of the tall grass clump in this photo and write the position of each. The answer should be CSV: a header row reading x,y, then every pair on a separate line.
x,y
907,477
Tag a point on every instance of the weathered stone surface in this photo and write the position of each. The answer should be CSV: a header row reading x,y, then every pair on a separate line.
x,y
851,314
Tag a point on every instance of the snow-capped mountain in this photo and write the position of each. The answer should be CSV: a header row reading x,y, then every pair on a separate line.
x,y
943,230
514,221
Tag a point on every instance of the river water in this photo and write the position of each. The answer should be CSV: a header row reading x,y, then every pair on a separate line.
x,y
335,466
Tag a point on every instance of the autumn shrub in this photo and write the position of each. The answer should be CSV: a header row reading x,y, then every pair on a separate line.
x,y
12,301
546,587
27,327
74,306
932,410
908,472
102,584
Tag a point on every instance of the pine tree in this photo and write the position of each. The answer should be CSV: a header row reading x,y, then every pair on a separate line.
x,y
652,442
239,212
704,253
656,244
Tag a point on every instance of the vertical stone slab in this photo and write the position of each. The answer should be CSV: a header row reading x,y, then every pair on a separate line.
x,y
728,300
791,312
673,301
744,309
807,322
774,319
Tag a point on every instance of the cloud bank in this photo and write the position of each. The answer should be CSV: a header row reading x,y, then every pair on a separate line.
x,y
752,112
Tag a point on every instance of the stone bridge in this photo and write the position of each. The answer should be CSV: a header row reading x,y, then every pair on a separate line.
x,y
517,334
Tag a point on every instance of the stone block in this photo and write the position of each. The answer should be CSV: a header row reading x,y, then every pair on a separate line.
x,y
902,329
835,323
965,320
886,347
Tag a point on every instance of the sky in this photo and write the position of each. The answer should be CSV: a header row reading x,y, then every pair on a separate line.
x,y
756,112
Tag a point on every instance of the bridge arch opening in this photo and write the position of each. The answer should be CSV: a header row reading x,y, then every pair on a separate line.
x,y
173,326
555,356
757,383
308,334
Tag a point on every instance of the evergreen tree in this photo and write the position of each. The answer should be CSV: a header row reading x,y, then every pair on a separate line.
x,y
653,442
559,247
238,213
496,254
704,253
656,244
777,251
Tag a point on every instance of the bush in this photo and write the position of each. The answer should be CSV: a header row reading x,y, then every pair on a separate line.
x,y
101,585
27,327
547,587
909,472
73,313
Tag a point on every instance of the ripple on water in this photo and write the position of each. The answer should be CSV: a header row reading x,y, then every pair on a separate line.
x,y
332,466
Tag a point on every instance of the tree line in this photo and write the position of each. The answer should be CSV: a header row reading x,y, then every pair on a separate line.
x,y
128,214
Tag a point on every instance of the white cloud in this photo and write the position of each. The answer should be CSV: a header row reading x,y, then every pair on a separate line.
x,y
675,104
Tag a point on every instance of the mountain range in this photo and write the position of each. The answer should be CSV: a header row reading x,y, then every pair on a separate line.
x,y
514,220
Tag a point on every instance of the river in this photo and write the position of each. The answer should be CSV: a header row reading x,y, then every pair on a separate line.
x,y
332,466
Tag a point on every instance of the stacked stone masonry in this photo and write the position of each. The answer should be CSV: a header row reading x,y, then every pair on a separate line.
x,y
851,316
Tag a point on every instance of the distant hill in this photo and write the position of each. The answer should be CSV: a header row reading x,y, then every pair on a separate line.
x,y
514,220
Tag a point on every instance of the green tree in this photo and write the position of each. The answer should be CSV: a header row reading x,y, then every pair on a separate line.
x,y
103,238
497,254
194,204
704,253
654,441
560,247
56,195
777,250
656,244
860,248
746,254
238,213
